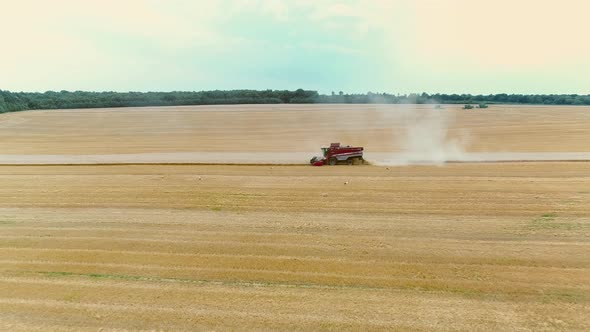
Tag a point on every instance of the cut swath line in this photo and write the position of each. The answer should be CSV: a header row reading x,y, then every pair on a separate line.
x,y
336,259
227,243
188,311
195,269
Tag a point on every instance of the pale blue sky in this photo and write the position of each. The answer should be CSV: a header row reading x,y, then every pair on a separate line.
x,y
448,46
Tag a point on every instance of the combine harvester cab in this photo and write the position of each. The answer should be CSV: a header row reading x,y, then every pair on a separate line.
x,y
336,153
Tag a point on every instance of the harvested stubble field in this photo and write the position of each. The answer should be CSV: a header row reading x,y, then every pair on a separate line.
x,y
488,246
485,246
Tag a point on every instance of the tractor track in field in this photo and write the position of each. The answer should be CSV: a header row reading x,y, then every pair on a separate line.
x,y
262,159
293,164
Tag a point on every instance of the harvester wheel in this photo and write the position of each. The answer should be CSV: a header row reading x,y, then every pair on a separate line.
x,y
332,161
349,161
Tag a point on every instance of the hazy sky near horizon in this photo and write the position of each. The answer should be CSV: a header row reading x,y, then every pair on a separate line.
x,y
398,46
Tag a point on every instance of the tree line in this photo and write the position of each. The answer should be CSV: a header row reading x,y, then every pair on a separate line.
x,y
425,98
19,101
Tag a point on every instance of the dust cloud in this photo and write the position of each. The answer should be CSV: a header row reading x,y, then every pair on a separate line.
x,y
424,137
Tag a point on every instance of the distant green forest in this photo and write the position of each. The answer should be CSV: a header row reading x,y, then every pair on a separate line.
x,y
20,101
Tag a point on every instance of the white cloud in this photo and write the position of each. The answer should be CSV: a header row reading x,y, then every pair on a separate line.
x,y
278,10
81,44
332,48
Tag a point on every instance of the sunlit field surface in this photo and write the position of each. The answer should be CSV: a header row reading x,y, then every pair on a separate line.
x,y
464,246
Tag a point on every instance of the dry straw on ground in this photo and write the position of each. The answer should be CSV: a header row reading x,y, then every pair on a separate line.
x,y
500,246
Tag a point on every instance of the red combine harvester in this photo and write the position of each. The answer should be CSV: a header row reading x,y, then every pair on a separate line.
x,y
336,153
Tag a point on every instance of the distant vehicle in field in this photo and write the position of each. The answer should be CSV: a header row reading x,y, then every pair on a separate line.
x,y
336,153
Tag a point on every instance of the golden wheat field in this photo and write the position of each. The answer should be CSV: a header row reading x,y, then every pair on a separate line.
x,y
291,128
465,246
